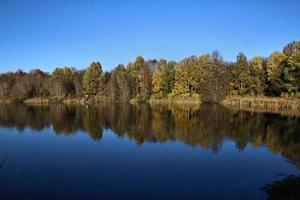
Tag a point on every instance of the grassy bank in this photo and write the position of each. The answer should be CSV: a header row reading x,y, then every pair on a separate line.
x,y
257,104
37,101
263,104
81,101
54,100
174,101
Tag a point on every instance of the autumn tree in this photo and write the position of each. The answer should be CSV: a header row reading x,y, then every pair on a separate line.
x,y
61,82
78,82
240,79
258,75
189,76
163,79
22,87
141,79
145,80
7,80
119,84
291,72
39,78
275,66
213,89
93,79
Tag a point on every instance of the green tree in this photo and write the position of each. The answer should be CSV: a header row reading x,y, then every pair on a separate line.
x,y
145,80
291,48
93,80
141,79
258,74
120,84
291,73
158,83
61,82
240,78
275,66
213,89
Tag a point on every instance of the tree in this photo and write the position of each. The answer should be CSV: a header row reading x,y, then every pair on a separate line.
x,y
7,81
145,80
62,82
56,88
275,66
213,89
93,81
291,48
158,82
119,84
39,78
240,79
292,71
258,75
140,79
163,79
22,89
189,75
78,83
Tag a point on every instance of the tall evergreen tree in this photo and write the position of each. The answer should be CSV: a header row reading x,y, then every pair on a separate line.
x,y
93,80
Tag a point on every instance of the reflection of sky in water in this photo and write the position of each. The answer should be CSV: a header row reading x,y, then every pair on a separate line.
x,y
44,164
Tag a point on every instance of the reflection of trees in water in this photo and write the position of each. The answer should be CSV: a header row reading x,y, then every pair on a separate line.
x,y
206,126
287,187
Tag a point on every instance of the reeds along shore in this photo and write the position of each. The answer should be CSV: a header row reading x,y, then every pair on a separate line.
x,y
264,103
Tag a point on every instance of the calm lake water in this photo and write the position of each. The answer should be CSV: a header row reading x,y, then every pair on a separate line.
x,y
143,152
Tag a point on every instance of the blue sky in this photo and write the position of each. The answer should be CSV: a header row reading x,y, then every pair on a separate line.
x,y
54,33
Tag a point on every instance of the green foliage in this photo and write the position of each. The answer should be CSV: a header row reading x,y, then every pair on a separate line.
x,y
65,72
120,84
93,79
258,75
275,67
61,82
213,88
291,73
240,79
140,79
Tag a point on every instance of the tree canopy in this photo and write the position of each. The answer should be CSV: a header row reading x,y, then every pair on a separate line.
x,y
207,77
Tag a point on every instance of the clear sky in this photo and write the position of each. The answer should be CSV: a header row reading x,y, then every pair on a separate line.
x,y
54,33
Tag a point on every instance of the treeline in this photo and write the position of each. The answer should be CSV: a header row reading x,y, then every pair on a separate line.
x,y
207,77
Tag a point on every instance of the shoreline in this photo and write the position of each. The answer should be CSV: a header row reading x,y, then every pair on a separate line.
x,y
264,104
252,104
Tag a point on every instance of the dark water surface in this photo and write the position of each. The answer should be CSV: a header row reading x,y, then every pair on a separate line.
x,y
158,152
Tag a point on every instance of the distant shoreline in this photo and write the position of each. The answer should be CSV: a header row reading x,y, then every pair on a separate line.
x,y
264,104
252,104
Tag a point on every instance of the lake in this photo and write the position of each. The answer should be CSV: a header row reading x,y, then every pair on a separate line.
x,y
124,151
